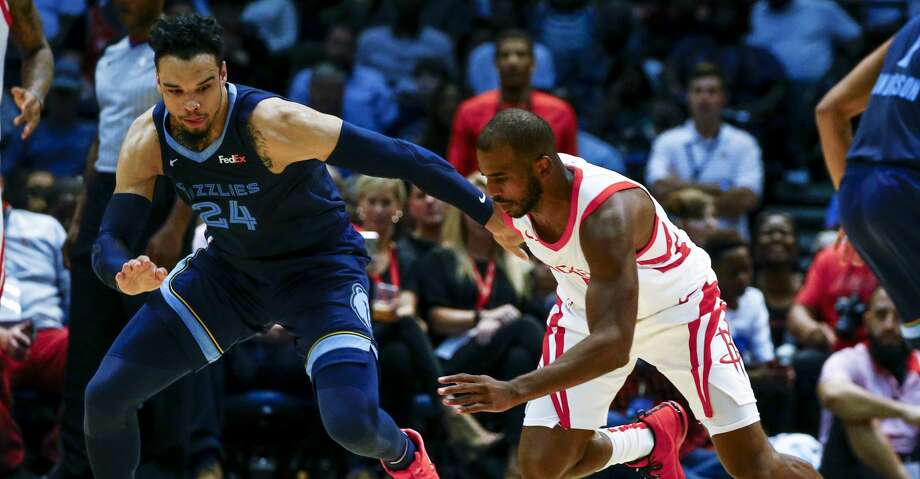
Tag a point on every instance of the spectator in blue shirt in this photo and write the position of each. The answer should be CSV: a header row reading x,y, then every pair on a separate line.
x,y
395,48
61,142
368,101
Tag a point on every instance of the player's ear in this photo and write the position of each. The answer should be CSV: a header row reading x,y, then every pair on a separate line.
x,y
542,166
223,73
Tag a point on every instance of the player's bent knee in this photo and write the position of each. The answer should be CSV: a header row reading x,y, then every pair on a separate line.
x,y
105,406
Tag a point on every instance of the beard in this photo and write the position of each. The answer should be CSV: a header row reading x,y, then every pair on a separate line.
x,y
529,201
193,140
891,357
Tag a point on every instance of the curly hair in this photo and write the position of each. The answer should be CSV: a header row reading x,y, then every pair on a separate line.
x,y
186,36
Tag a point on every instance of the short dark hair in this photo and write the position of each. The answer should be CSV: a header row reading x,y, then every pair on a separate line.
x,y
186,36
705,70
527,134
514,34
721,242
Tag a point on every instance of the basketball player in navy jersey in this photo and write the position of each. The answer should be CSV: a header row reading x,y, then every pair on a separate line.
x,y
281,249
877,170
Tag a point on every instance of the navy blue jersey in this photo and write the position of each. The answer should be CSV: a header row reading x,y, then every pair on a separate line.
x,y
889,130
250,212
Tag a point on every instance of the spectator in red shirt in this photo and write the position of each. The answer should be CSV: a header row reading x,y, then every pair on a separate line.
x,y
515,62
814,316
813,322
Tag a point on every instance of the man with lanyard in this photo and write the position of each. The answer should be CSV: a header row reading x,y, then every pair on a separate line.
x,y
20,18
881,188
515,62
125,88
710,155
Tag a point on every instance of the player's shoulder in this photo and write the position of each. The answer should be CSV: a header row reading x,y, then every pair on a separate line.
x,y
143,130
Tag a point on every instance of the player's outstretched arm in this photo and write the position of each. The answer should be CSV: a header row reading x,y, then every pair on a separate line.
x,y
608,238
139,164
37,64
284,132
845,100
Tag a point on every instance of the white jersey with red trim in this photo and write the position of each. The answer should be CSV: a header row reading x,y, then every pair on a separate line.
x,y
671,267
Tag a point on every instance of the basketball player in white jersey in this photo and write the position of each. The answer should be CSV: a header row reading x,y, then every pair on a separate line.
x,y
631,285
21,21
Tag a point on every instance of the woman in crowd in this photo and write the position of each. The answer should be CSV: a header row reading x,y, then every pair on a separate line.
x,y
407,362
477,296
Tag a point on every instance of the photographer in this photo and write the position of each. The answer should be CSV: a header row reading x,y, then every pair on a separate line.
x,y
871,393
814,323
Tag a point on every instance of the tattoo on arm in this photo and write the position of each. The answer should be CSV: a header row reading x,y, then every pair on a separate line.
x,y
259,144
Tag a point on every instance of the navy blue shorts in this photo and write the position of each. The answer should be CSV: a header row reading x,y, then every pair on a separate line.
x,y
880,211
321,299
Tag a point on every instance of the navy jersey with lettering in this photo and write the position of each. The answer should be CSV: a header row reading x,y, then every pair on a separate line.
x,y
889,129
250,212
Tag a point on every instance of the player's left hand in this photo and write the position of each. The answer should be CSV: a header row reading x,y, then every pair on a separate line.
x,y
468,393
504,235
30,107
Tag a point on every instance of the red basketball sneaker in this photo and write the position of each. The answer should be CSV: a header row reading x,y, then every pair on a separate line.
x,y
421,467
668,423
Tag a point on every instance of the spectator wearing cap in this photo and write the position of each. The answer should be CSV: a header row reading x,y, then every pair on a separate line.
x,y
61,142
709,154
368,101
871,393
515,62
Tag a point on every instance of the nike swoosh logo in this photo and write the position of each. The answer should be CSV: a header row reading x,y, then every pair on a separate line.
x,y
173,161
687,298
482,199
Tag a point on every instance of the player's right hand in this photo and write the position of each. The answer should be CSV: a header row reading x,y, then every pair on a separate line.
x,y
139,275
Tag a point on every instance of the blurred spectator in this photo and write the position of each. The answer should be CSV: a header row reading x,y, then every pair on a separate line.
x,y
624,114
275,20
426,214
326,90
33,351
514,59
747,311
872,395
394,49
834,288
569,29
444,103
61,142
600,153
749,322
407,362
708,154
368,101
482,73
57,17
52,196
814,319
416,106
753,75
803,34
776,270
476,292
694,212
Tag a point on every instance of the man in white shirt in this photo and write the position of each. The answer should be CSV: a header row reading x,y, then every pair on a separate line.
x,y
710,155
